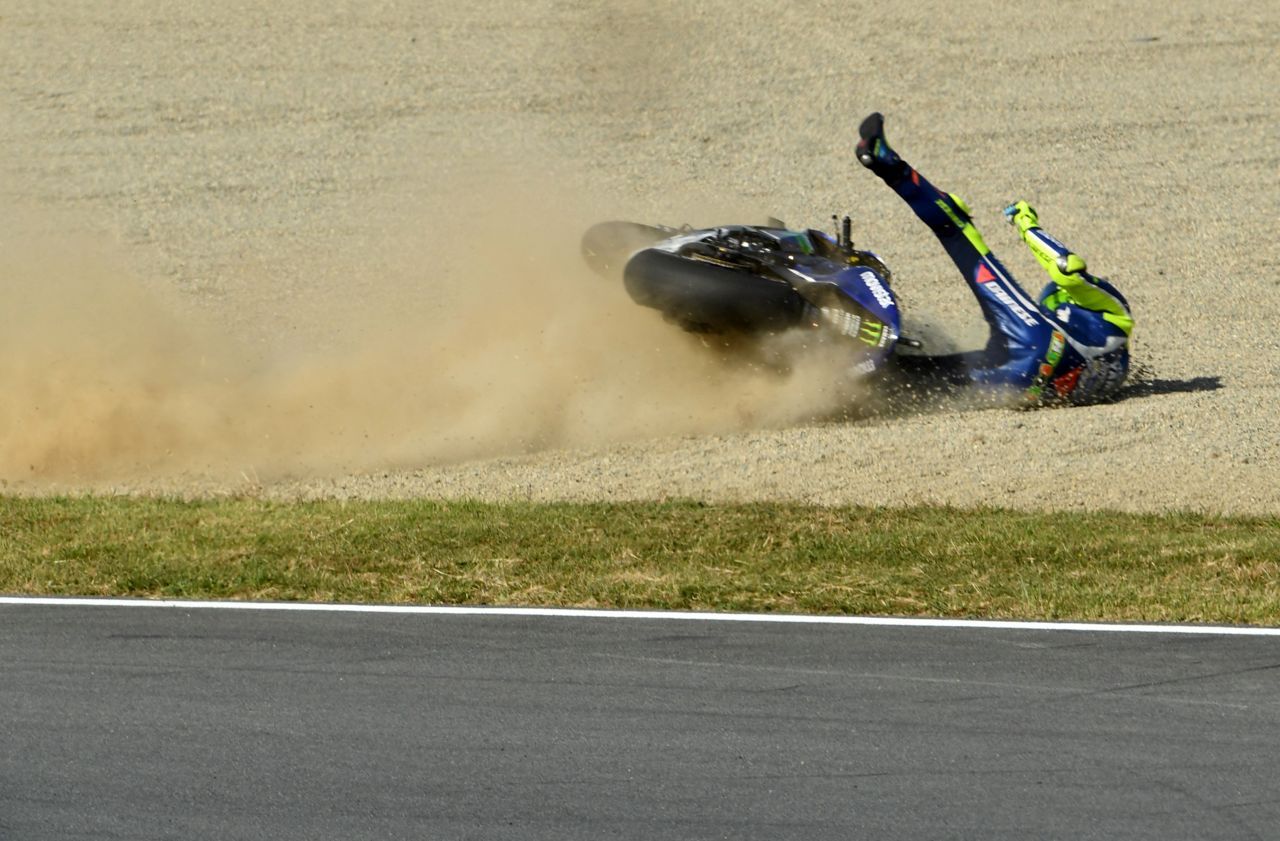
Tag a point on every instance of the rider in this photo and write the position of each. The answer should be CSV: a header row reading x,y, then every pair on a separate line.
x,y
1072,347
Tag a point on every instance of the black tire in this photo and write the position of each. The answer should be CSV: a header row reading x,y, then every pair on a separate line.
x,y
607,245
705,296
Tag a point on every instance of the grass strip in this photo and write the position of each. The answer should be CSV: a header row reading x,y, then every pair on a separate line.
x,y
676,555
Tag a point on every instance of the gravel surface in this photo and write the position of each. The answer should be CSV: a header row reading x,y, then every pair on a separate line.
x,y
328,250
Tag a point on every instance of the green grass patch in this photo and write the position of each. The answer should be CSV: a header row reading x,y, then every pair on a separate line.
x,y
925,561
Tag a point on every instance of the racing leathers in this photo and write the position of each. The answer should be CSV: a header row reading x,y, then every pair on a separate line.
x,y
1071,345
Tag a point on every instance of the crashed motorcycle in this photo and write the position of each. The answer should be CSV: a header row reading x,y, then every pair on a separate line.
x,y
754,280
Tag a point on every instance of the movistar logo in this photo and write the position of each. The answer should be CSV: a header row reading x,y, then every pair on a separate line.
x,y
877,289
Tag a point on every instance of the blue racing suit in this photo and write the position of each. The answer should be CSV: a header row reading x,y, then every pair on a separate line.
x,y
1071,345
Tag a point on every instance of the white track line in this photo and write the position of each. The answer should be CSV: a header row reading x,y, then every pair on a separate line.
x,y
577,613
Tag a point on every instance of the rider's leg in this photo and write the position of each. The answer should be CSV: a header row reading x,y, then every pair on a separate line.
x,y
1017,328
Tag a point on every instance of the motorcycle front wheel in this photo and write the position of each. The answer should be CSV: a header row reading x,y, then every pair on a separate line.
x,y
706,296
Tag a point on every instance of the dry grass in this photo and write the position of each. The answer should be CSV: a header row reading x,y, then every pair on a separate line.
x,y
681,556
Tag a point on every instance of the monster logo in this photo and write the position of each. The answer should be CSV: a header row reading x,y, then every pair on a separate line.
x,y
872,333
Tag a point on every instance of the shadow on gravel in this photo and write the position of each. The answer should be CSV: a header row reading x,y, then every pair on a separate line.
x,y
910,392
1153,386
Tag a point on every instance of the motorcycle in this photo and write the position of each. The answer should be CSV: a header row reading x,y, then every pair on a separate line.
x,y
757,280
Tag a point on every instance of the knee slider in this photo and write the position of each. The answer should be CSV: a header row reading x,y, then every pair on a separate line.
x,y
1070,263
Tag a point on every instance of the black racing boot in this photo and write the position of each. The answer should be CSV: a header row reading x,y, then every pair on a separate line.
x,y
874,152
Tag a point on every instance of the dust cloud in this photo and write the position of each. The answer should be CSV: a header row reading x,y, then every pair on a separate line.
x,y
517,348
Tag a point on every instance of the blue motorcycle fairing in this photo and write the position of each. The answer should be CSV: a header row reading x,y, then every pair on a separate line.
x,y
826,284
845,289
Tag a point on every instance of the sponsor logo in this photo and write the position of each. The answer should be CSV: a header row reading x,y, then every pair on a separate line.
x,y
864,367
877,289
1057,343
986,278
1056,346
845,322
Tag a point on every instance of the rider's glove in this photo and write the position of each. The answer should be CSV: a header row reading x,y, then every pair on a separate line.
x,y
1022,216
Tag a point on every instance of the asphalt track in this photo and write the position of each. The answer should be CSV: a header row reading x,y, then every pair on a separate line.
x,y
187,723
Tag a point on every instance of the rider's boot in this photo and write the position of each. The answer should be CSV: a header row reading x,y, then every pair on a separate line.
x,y
874,151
